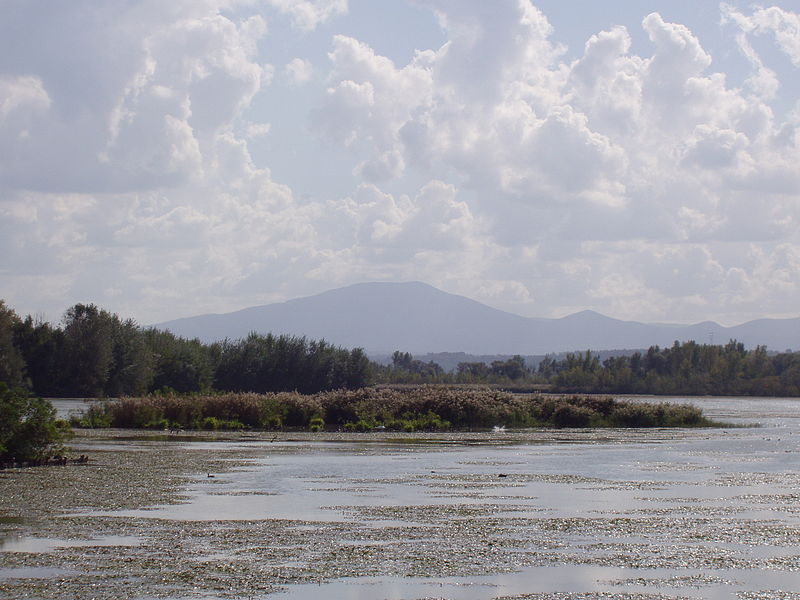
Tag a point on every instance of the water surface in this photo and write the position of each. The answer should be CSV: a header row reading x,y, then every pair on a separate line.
x,y
707,513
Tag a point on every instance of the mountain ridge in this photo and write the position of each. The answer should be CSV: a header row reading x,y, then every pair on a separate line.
x,y
415,317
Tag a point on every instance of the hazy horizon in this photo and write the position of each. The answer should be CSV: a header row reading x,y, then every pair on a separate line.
x,y
361,283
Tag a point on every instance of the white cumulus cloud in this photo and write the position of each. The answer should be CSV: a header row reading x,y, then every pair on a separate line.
x,y
306,15
299,71
644,183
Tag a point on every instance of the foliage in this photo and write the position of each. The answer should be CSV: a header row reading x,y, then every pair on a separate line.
x,y
513,368
405,369
94,353
29,430
179,364
42,349
414,408
88,350
12,363
268,363
683,369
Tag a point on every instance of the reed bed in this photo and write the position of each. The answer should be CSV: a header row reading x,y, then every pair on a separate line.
x,y
422,408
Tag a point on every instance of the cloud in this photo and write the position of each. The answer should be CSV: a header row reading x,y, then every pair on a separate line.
x,y
645,185
434,220
125,182
369,99
135,118
491,45
299,71
783,25
22,95
611,146
387,166
307,15
678,55
256,130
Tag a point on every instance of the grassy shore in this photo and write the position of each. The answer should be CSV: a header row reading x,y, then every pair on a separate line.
x,y
422,408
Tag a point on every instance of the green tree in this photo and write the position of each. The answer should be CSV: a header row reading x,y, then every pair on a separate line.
x,y
472,372
513,368
358,370
266,363
132,367
28,427
88,350
407,369
12,363
180,364
41,345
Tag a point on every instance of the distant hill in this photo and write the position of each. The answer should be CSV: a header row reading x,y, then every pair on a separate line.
x,y
418,318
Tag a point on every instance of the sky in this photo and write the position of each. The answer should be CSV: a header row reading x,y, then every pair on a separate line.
x,y
168,159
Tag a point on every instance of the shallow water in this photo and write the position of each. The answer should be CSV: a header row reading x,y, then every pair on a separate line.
x,y
712,513
68,407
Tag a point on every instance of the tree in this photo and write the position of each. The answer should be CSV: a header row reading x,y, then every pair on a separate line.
x,y
470,372
547,366
28,427
132,367
358,370
41,346
409,369
179,364
12,363
88,350
266,363
513,368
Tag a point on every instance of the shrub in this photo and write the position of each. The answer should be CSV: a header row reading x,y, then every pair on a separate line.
x,y
432,408
634,415
361,425
572,415
215,424
29,430
97,416
162,424
271,422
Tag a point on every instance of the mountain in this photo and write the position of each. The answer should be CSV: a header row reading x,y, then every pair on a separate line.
x,y
417,318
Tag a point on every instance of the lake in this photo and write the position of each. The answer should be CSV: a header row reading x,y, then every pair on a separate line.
x,y
623,514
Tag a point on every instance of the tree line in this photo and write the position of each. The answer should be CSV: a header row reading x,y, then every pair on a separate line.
x,y
94,353
685,368
404,368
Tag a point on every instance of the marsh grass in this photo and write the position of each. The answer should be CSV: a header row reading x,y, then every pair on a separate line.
x,y
422,408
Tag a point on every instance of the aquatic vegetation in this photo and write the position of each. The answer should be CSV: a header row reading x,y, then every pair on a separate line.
x,y
415,408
